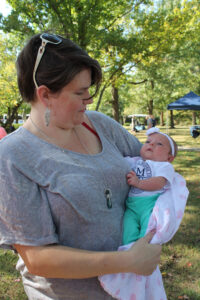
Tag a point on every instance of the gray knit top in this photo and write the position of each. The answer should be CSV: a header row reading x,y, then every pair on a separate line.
x,y
52,195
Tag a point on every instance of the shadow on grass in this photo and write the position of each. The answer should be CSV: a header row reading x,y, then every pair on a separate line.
x,y
175,287
11,287
8,262
191,159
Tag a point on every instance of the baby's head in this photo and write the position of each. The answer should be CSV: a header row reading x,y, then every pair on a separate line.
x,y
158,146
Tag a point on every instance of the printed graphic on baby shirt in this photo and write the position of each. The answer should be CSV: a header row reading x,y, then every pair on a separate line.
x,y
143,171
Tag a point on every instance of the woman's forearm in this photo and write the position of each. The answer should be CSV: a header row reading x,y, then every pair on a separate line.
x,y
56,261
64,262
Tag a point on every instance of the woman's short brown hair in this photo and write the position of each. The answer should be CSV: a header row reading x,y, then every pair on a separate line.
x,y
58,66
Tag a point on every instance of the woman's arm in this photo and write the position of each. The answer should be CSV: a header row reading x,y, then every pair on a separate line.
x,y
56,261
150,184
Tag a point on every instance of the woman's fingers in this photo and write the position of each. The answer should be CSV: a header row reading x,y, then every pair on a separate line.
x,y
145,256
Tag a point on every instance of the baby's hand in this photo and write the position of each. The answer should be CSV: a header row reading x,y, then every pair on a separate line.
x,y
132,179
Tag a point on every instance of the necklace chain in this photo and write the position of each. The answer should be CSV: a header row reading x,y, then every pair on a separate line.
x,y
82,144
107,191
40,130
51,140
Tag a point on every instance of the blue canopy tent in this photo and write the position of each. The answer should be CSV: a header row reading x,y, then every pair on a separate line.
x,y
190,101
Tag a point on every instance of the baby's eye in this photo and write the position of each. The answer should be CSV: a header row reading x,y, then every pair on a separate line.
x,y
147,142
160,144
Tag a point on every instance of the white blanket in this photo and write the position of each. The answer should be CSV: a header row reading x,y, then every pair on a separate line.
x,y
166,218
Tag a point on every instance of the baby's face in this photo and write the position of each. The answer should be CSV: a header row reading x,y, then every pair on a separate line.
x,y
157,148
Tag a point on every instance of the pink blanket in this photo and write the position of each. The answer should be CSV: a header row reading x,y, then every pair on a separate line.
x,y
166,218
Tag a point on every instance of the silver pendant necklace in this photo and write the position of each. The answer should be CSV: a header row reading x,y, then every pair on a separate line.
x,y
107,191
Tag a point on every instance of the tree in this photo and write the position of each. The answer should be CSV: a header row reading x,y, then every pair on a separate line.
x,y
96,25
165,66
156,45
10,99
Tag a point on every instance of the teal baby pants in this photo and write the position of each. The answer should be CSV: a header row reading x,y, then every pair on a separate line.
x,y
136,217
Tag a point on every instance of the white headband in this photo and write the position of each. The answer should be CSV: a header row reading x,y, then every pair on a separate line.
x,y
157,130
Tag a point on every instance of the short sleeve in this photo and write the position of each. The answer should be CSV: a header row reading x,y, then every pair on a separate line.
x,y
164,169
126,143
25,216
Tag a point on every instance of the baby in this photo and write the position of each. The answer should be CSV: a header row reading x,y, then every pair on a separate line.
x,y
153,173
156,200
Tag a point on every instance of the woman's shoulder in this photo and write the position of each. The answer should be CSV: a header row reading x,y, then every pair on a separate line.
x,y
98,116
105,122
18,146
115,133
11,141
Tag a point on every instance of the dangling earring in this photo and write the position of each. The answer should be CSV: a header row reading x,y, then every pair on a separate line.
x,y
47,116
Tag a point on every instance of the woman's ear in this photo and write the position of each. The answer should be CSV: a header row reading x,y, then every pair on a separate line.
x,y
43,95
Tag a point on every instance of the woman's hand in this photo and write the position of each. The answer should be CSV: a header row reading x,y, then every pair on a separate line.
x,y
144,257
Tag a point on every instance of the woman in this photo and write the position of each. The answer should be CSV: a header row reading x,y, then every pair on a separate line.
x,y
63,179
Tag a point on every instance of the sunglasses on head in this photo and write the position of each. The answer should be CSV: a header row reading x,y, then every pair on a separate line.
x,y
46,38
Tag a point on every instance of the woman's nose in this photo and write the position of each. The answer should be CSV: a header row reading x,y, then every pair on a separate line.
x,y
88,101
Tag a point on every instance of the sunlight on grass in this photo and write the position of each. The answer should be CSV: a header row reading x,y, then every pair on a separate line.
x,y
180,134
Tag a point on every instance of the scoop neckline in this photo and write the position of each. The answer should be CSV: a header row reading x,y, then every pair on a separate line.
x,y
63,149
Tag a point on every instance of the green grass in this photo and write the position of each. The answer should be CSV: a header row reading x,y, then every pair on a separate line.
x,y
10,282
181,256
180,261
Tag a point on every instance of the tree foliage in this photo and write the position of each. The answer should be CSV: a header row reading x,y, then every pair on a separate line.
x,y
169,64
149,51
9,95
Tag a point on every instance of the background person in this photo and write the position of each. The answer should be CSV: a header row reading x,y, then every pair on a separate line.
x,y
63,211
151,121
3,132
153,176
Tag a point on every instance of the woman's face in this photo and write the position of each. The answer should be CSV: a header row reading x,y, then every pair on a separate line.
x,y
69,105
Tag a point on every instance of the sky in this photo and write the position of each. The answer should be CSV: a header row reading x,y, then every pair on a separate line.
x,y
4,8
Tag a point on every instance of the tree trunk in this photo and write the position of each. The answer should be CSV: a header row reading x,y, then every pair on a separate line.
x,y
11,115
150,104
115,103
100,97
150,107
171,119
194,120
161,119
